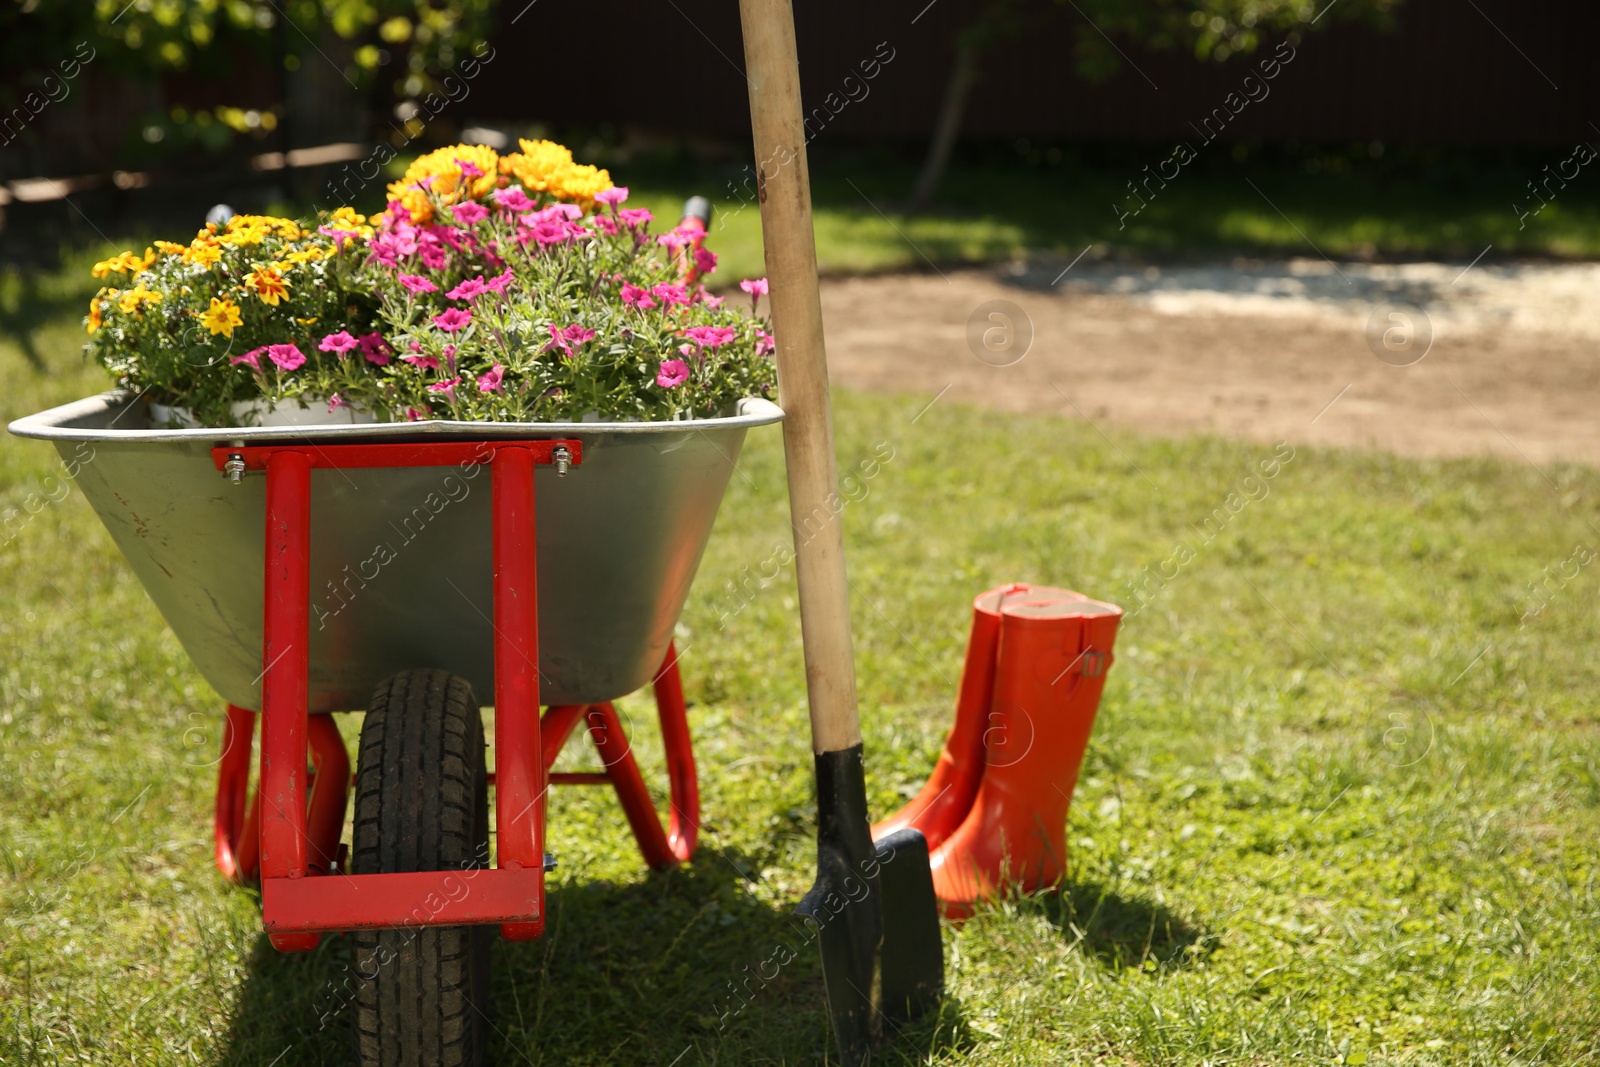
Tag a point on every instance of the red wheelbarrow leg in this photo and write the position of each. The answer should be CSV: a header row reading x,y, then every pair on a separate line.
x,y
685,785
233,789
330,793
519,758
285,676
605,729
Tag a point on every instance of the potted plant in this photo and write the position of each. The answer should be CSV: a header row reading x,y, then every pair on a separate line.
x,y
500,289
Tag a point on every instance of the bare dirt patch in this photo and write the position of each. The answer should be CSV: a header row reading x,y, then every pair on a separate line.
x,y
1266,351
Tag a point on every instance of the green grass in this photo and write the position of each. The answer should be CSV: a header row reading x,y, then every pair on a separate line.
x,y
1339,804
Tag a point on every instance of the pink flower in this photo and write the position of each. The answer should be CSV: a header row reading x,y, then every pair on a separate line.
x,y
549,232
670,294
339,236
422,362
375,348
470,213
570,212
499,282
675,238
450,357
711,336
340,342
335,402
764,343
636,297
287,357
756,287
452,320
614,195
417,283
447,387
712,302
673,373
635,217
468,289
489,382
514,200
469,169
563,339
413,415
434,257
606,225
252,357
705,261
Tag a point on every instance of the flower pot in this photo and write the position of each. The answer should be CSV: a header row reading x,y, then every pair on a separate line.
x,y
307,411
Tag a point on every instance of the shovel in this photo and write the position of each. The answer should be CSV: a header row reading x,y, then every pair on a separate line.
x,y
872,908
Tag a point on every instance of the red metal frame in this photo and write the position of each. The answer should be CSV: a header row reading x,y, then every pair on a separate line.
x,y
290,831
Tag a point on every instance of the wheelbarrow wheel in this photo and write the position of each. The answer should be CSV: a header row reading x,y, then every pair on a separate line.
x,y
422,804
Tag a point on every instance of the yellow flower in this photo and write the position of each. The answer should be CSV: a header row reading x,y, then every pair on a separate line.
x,y
96,317
268,284
204,251
547,167
171,248
133,298
309,254
126,263
221,317
312,321
439,173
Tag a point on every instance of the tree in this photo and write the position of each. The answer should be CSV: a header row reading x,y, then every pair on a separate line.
x,y
1212,30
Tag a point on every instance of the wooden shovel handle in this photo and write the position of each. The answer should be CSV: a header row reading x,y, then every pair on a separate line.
x,y
772,68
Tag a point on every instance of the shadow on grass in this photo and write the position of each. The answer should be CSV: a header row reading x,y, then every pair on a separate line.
x,y
1122,931
680,968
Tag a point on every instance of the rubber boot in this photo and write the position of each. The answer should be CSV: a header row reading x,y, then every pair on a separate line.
x,y
946,797
1055,649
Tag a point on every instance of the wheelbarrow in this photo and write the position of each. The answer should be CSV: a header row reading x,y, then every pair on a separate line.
x,y
404,569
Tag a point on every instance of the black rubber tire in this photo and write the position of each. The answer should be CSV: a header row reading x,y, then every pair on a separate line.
x,y
422,804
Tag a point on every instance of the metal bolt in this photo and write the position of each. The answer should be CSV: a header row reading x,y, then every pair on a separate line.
x,y
563,460
234,468
549,861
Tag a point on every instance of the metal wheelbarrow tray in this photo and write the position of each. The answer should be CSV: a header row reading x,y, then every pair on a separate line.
x,y
400,561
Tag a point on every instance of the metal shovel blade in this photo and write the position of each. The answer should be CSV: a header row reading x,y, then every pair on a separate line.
x,y
874,913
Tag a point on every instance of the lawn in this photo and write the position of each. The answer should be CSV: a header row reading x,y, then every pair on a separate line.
x,y
1340,804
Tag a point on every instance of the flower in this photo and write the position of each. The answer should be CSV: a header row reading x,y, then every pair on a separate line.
x,y
469,213
499,282
711,336
133,298
705,261
764,343
340,342
417,283
547,167
606,225
489,381
614,195
675,239
636,297
468,289
564,339
335,402
452,320
96,316
635,217
712,302
375,348
413,415
287,356
448,175
204,251
423,362
673,373
252,357
756,287
221,317
268,284
670,294
447,387
514,200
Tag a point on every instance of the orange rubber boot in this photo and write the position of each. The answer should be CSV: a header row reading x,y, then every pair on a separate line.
x,y
1055,649
947,796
